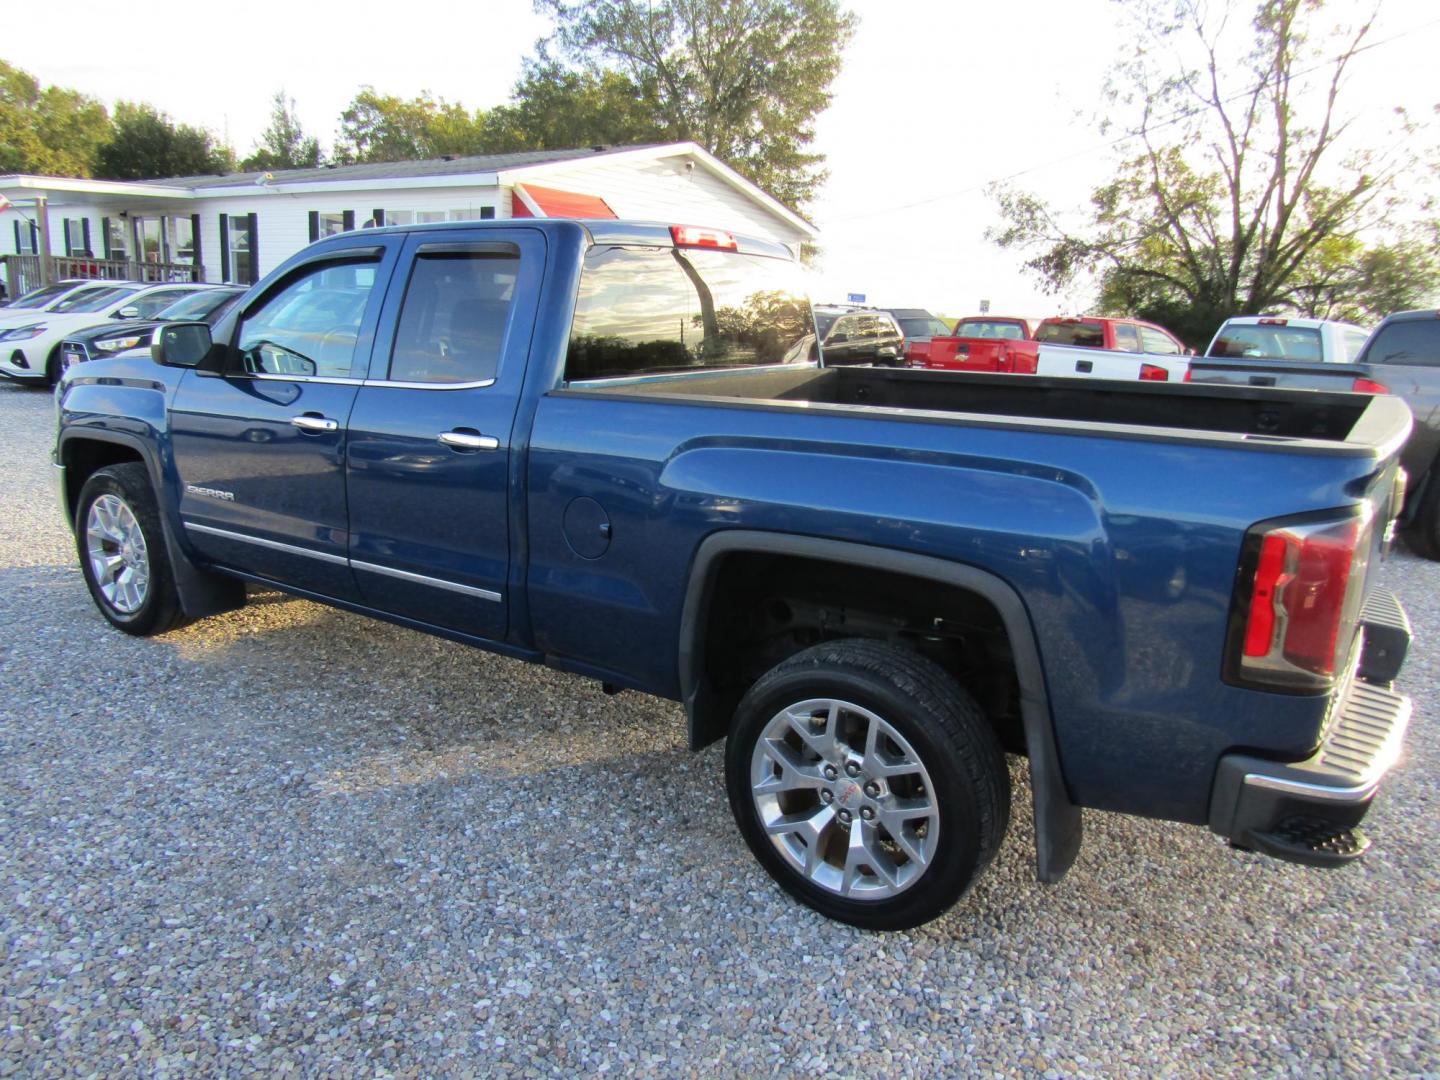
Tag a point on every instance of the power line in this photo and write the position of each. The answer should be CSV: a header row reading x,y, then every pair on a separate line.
x,y
1184,114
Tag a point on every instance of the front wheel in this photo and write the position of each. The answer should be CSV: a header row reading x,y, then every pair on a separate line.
x,y
122,551
868,783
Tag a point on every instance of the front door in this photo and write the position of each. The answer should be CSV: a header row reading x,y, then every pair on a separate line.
x,y
260,449
429,456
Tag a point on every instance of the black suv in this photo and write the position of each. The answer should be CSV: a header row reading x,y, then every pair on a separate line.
x,y
859,336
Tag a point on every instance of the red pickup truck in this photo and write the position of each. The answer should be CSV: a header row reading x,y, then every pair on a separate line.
x,y
983,343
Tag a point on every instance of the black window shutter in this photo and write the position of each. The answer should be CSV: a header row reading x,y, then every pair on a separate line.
x,y
35,239
69,243
314,225
254,248
347,220
377,216
224,249
486,213
105,236
85,236
195,246
18,249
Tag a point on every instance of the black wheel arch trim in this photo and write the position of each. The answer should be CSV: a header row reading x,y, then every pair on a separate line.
x,y
1057,817
201,593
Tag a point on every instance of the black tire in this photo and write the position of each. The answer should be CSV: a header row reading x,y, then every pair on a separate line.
x,y
52,368
1422,535
159,609
957,747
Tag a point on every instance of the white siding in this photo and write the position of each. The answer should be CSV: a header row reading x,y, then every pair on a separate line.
x,y
664,190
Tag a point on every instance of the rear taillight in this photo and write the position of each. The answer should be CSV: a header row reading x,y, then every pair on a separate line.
x,y
1369,386
1297,608
1154,373
1187,375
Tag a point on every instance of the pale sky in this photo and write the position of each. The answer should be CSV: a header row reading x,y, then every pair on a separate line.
x,y
936,100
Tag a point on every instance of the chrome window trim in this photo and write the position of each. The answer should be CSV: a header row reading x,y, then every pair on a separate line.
x,y
478,384
421,579
273,545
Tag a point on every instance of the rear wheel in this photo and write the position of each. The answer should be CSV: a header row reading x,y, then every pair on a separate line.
x,y
1422,535
868,783
122,551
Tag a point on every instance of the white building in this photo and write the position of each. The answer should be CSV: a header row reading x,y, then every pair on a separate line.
x,y
239,227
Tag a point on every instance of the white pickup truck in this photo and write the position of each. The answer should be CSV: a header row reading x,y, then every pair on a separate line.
x,y
1274,337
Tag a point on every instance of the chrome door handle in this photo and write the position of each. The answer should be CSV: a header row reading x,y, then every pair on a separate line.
x,y
315,423
470,440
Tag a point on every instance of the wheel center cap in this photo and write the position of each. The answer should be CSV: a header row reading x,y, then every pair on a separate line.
x,y
848,795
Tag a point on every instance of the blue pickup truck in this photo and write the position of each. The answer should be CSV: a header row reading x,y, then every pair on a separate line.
x,y
614,448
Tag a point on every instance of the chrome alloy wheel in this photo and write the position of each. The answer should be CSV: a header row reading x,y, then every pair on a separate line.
x,y
844,798
119,558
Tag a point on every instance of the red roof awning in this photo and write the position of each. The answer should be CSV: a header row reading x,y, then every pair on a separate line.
x,y
558,204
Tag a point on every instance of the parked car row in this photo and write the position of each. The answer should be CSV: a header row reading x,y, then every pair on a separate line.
x,y
50,328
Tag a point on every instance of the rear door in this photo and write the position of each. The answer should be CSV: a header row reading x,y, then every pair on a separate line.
x,y
259,449
430,434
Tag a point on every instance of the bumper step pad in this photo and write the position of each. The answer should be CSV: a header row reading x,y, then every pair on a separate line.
x,y
1309,811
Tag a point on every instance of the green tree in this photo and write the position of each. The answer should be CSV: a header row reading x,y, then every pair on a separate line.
x,y
554,107
1245,191
284,144
743,78
145,144
54,131
382,127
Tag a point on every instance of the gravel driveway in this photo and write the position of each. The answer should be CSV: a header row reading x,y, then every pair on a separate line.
x,y
291,840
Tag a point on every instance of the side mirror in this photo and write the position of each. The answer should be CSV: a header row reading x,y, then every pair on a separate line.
x,y
129,312
181,344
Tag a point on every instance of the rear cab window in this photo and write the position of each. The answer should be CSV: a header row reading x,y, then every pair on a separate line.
x,y
1249,341
1407,343
645,310
999,329
1081,332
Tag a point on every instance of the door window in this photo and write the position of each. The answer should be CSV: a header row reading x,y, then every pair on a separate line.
x,y
147,305
1126,338
1156,342
310,326
452,323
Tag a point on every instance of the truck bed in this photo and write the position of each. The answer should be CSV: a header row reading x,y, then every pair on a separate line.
x,y
1342,421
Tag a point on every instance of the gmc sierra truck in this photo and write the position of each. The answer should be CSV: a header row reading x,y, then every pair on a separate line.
x,y
605,446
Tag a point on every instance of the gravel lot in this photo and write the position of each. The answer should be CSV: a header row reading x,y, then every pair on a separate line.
x,y
292,840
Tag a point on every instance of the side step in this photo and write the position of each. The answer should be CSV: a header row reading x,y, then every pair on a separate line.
x,y
1311,841
1387,637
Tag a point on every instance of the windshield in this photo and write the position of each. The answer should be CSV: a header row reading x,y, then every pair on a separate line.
x,y
652,309
91,300
36,297
1003,329
1253,342
923,328
197,305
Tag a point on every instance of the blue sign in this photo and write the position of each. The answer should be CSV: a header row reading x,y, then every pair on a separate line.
x,y
856,298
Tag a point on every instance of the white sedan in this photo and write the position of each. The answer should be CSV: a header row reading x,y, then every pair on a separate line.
x,y
30,340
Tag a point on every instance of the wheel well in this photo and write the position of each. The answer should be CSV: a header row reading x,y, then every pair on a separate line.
x,y
766,607
83,458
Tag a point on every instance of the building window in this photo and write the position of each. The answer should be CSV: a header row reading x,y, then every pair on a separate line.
x,y
426,217
148,244
180,239
331,224
241,249
399,217
115,243
474,213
